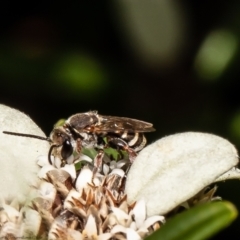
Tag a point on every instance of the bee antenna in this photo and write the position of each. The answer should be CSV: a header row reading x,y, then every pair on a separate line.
x,y
27,135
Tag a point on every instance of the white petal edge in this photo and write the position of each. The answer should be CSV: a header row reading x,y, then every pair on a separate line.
x,y
118,172
104,236
43,171
70,168
175,168
139,212
90,227
42,160
233,173
84,178
151,220
18,154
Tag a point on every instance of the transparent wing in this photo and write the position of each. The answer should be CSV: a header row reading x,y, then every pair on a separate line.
x,y
113,124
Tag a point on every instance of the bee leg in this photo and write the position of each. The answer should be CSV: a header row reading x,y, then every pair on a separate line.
x,y
121,144
98,161
78,145
50,152
63,163
78,149
132,154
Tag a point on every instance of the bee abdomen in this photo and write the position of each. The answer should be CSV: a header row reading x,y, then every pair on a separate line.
x,y
135,140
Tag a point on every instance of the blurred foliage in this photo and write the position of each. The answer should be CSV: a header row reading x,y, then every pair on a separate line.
x,y
149,60
199,222
215,54
80,75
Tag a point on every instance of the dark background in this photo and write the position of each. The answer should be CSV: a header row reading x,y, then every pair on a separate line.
x,y
137,59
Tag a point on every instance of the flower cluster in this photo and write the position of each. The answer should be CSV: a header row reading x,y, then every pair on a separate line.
x,y
79,204
89,199
103,197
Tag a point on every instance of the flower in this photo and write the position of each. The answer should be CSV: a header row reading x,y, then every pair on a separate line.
x,y
136,225
18,155
176,168
101,200
94,204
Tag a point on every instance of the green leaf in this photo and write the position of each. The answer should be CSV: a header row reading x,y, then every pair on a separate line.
x,y
60,122
200,222
114,154
90,152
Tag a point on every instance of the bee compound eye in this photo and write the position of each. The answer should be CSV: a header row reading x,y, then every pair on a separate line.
x,y
67,149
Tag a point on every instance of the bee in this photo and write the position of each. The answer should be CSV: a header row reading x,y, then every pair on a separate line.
x,y
92,130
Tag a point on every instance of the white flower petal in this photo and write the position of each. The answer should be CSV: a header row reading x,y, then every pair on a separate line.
x,y
132,235
177,167
32,221
58,226
96,181
74,234
72,194
113,164
11,228
70,168
118,229
105,169
121,163
90,227
57,162
117,171
42,160
18,154
15,204
233,173
70,159
3,217
84,178
139,212
111,219
185,205
142,231
85,158
43,171
133,226
12,213
104,236
121,216
47,190
151,220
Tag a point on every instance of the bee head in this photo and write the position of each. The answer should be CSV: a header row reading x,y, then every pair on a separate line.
x,y
59,137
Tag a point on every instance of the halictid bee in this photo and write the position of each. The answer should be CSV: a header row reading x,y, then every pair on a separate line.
x,y
91,130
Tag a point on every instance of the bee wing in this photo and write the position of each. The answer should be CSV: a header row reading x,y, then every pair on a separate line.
x,y
113,124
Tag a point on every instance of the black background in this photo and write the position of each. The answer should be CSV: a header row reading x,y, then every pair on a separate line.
x,y
43,45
